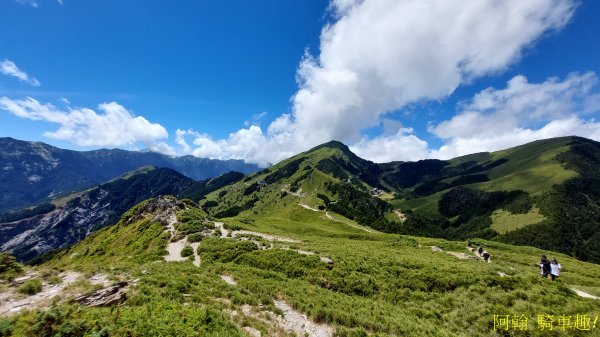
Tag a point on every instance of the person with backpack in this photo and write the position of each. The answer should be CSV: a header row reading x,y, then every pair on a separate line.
x,y
554,269
545,266
486,256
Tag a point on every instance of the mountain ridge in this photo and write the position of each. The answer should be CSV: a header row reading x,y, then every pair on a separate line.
x,y
465,197
32,172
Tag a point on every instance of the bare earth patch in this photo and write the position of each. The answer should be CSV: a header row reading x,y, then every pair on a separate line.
x,y
174,250
12,302
584,294
298,323
309,208
268,237
229,280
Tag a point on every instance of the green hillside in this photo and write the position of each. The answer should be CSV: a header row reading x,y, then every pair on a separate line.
x,y
313,246
487,195
347,279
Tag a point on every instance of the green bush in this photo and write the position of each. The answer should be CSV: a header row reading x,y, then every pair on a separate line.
x,y
224,250
54,279
9,266
187,251
31,287
195,237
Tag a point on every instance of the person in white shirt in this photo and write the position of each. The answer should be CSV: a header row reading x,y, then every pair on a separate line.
x,y
555,269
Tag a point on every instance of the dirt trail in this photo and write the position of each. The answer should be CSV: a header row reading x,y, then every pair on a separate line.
x,y
322,258
298,323
229,280
268,237
224,231
298,193
292,320
174,248
330,217
309,208
584,294
458,255
174,251
12,302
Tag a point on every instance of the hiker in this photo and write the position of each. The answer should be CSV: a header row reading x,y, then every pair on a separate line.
x,y
545,267
554,269
480,251
486,256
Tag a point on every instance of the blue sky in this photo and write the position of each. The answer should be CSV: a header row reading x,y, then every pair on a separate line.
x,y
259,81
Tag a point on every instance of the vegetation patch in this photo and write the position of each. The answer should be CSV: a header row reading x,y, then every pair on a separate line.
x,y
504,221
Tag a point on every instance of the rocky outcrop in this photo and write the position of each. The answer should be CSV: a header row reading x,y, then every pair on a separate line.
x,y
104,297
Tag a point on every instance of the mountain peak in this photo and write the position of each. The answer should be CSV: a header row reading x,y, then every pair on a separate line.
x,y
333,144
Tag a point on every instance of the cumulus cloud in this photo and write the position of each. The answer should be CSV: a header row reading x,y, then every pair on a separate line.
x,y
164,148
522,112
9,68
402,145
113,125
379,56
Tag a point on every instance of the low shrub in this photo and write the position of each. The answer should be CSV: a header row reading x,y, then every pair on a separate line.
x,y
31,287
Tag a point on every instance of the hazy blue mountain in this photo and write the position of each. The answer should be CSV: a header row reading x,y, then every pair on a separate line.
x,y
32,172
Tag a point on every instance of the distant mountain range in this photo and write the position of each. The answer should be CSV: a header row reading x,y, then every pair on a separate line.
x,y
33,172
545,193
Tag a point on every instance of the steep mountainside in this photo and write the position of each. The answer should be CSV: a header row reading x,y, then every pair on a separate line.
x,y
76,216
486,195
31,172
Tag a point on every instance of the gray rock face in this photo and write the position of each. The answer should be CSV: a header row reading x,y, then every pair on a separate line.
x,y
87,212
104,297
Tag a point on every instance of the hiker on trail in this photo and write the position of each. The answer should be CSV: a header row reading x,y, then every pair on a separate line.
x,y
480,250
554,269
545,267
486,256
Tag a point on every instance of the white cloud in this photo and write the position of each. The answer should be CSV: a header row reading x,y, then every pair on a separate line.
x,y
180,140
9,68
164,148
495,119
379,56
249,144
112,126
402,145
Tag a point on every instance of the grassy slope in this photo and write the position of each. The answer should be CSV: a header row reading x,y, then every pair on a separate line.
x,y
504,221
379,284
529,167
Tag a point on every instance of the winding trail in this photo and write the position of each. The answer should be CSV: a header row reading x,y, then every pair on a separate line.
x,y
330,217
298,323
309,208
584,294
224,231
174,248
268,237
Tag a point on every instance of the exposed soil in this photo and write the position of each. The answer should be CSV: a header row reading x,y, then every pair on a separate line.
x,y
12,302
298,323
584,294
